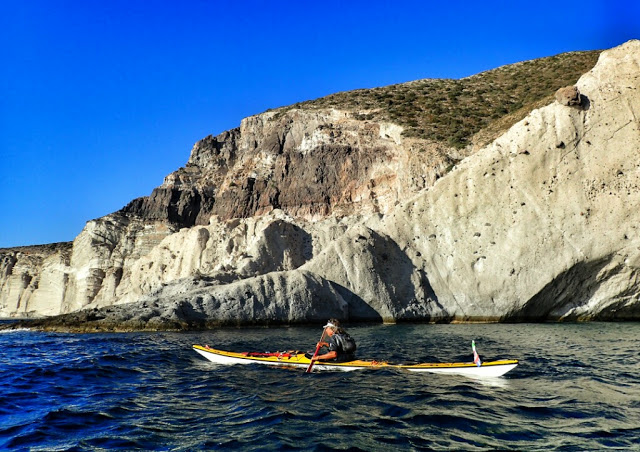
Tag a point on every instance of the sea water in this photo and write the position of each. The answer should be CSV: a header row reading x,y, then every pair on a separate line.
x,y
576,388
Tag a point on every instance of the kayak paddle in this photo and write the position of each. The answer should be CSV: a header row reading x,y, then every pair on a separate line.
x,y
316,352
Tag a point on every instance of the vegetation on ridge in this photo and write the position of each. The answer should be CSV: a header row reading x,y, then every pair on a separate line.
x,y
454,111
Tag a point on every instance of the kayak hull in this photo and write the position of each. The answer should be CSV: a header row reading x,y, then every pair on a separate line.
x,y
296,359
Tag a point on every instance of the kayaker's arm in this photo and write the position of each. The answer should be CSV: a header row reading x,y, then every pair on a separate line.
x,y
329,355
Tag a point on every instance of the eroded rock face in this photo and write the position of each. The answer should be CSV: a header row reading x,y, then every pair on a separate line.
x,y
30,277
49,281
273,299
313,212
308,163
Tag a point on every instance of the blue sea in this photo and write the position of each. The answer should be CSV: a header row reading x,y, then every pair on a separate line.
x,y
577,388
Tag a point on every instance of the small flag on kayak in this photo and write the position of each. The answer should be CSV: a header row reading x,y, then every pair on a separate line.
x,y
476,358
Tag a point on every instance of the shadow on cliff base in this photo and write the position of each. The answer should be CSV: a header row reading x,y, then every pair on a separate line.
x,y
400,291
407,286
573,289
359,310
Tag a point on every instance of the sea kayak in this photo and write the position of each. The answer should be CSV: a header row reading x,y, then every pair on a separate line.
x,y
298,359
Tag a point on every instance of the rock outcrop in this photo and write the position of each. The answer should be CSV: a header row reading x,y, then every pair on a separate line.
x,y
569,96
308,163
306,214
31,277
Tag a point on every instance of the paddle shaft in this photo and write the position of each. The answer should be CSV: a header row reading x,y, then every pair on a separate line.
x,y
316,353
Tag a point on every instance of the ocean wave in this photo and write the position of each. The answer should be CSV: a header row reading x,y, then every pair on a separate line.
x,y
16,330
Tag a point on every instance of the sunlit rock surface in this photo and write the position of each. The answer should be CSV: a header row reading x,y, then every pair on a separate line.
x,y
301,215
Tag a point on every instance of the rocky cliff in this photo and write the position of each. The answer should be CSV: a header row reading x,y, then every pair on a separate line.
x,y
304,213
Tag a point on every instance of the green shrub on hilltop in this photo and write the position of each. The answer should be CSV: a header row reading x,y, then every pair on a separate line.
x,y
455,111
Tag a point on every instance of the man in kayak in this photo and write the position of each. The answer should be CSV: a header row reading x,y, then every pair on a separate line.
x,y
341,346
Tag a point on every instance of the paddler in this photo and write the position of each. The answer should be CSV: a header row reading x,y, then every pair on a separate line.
x,y
342,347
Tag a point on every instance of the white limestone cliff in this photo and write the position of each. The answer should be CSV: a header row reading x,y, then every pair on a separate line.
x,y
540,224
543,223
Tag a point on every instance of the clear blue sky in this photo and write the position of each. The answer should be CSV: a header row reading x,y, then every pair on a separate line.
x,y
99,100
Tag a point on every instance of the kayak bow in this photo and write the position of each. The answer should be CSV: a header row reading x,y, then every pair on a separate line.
x,y
297,359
